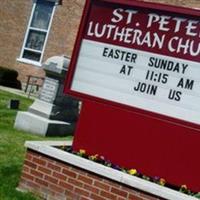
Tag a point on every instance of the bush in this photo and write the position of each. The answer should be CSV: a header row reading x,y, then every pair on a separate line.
x,y
8,77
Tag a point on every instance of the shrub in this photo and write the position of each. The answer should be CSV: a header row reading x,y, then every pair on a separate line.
x,y
8,77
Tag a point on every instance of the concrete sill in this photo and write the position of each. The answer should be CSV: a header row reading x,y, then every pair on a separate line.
x,y
48,148
30,62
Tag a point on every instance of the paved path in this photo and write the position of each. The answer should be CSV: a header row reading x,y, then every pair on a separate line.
x,y
15,91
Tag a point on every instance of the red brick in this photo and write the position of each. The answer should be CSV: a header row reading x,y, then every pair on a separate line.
x,y
119,192
47,159
51,179
79,171
22,186
149,197
46,190
102,185
56,188
96,197
120,198
82,192
36,173
23,180
134,197
69,173
66,185
33,153
33,185
84,198
111,183
95,177
71,195
91,189
58,196
54,167
59,176
30,164
44,170
25,169
29,157
39,161
63,165
130,190
108,195
27,176
75,182
85,179
41,182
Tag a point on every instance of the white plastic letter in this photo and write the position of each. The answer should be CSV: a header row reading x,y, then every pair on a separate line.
x,y
117,15
130,15
152,18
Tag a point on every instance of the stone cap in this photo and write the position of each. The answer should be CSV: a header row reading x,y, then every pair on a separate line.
x,y
56,64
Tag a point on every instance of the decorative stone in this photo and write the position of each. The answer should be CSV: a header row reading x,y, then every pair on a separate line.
x,y
53,113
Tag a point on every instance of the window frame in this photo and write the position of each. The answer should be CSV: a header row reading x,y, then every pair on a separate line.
x,y
28,29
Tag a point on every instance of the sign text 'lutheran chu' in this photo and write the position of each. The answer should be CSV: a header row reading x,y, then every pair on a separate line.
x,y
143,58
131,33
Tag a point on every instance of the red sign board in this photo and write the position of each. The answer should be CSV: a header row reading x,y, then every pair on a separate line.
x,y
136,67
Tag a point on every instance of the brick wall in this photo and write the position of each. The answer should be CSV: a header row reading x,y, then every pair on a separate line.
x,y
51,179
14,18
61,37
13,24
64,28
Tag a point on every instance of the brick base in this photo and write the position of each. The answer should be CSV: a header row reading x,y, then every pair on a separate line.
x,y
55,180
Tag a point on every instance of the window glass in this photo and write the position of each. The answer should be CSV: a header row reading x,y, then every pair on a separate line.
x,y
35,40
31,55
37,30
42,14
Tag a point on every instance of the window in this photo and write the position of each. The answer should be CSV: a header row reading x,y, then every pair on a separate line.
x,y
37,31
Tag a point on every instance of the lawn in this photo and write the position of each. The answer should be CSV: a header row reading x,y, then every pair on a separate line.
x,y
12,150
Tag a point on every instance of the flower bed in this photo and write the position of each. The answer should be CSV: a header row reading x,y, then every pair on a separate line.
x,y
102,160
57,174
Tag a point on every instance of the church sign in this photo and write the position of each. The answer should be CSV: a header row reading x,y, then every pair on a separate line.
x,y
141,58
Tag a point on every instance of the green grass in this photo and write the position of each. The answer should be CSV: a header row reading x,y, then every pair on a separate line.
x,y
12,150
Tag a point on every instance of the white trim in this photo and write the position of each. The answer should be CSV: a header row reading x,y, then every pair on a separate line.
x,y
46,148
30,62
21,59
27,29
33,50
38,29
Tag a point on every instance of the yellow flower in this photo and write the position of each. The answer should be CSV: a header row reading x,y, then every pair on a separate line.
x,y
82,151
162,181
184,187
132,171
93,157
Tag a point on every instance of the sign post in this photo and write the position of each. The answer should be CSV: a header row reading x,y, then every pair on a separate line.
x,y
136,67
